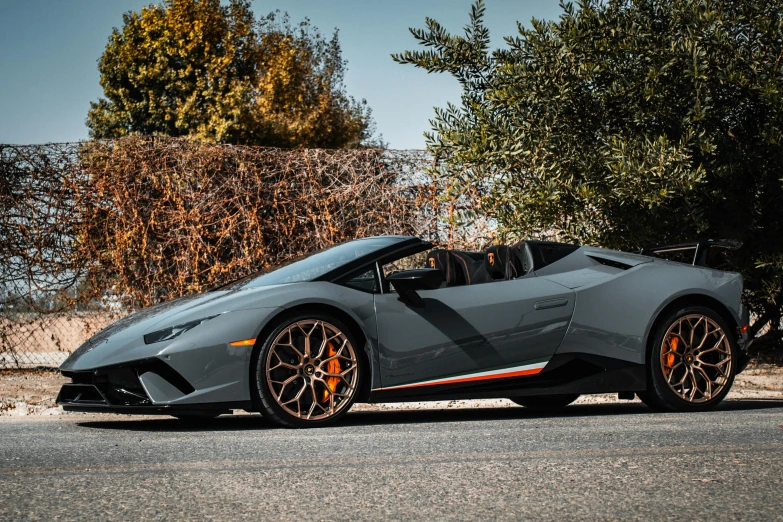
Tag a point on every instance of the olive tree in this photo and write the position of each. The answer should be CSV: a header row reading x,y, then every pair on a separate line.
x,y
624,123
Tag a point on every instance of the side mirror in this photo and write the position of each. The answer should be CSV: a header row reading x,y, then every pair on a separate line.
x,y
406,282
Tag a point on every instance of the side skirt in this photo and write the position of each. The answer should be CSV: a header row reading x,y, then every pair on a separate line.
x,y
563,374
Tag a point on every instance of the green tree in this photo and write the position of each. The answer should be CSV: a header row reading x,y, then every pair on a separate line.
x,y
624,123
212,72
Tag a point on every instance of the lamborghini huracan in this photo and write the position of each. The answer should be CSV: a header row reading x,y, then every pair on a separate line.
x,y
389,318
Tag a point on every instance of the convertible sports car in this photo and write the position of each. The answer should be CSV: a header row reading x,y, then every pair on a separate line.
x,y
386,319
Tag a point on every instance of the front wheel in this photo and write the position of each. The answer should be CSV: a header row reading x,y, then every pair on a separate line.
x,y
692,361
545,402
307,372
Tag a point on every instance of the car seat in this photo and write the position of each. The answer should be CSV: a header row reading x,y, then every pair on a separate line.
x,y
459,268
471,266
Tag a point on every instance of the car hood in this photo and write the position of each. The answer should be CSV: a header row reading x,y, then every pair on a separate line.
x,y
174,312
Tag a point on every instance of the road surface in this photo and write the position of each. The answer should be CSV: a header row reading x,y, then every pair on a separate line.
x,y
590,462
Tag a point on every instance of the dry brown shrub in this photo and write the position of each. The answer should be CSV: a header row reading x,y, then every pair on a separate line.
x,y
169,217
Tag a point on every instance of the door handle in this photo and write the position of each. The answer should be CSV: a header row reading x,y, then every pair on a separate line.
x,y
550,303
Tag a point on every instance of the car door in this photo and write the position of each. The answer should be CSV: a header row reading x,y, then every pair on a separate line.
x,y
468,333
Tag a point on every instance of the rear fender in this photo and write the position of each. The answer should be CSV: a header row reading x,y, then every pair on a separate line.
x,y
614,317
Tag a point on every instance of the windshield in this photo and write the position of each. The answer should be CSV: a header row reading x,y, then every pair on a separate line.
x,y
312,266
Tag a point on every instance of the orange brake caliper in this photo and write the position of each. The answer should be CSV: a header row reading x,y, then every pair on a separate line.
x,y
673,342
332,366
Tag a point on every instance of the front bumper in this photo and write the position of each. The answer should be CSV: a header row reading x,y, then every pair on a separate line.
x,y
182,409
121,389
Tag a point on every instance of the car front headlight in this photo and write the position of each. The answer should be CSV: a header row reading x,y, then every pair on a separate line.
x,y
172,332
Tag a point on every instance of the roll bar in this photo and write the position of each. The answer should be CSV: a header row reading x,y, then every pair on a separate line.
x,y
700,248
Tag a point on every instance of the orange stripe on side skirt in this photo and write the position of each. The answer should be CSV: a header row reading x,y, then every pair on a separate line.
x,y
519,373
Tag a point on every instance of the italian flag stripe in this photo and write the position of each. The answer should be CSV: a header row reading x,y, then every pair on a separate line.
x,y
502,373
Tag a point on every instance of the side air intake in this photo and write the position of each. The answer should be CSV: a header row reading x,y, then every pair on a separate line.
x,y
610,262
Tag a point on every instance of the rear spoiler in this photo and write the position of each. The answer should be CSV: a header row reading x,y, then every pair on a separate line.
x,y
700,248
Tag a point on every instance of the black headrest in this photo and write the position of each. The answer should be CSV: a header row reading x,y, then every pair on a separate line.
x,y
521,258
498,263
442,260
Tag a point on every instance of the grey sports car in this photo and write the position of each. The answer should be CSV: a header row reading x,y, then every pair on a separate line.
x,y
386,319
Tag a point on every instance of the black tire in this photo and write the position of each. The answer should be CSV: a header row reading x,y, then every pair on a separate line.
x,y
545,402
265,399
660,395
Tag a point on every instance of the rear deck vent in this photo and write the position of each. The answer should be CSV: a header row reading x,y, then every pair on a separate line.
x,y
610,262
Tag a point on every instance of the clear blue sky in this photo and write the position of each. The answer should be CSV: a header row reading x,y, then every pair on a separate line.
x,y
49,51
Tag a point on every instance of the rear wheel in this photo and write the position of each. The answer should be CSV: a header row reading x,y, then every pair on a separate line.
x,y
545,402
307,372
692,361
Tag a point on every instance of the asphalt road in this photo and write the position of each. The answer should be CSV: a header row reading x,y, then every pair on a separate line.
x,y
591,462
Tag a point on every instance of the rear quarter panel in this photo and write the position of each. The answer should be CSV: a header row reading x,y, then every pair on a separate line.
x,y
613,316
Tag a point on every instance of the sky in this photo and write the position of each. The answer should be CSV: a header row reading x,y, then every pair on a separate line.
x,y
49,51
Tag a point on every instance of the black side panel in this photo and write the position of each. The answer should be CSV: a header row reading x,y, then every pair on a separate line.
x,y
545,252
566,373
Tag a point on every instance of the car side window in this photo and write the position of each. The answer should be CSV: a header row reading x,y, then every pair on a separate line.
x,y
366,281
418,260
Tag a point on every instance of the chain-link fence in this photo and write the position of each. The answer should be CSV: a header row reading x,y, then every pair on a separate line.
x,y
44,340
87,226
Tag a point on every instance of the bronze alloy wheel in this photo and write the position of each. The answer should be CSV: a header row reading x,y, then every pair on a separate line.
x,y
696,358
311,370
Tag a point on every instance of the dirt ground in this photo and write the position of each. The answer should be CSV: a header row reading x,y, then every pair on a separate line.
x,y
33,392
29,392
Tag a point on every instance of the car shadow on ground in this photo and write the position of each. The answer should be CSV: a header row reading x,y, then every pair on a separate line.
x,y
420,416
576,410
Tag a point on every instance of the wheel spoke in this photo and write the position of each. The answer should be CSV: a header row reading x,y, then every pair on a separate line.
x,y
311,410
670,373
681,382
693,330
339,355
701,343
290,344
282,364
719,366
296,397
692,380
708,393
307,347
284,384
336,376
707,335
716,347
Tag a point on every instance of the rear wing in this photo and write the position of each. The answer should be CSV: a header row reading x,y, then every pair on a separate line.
x,y
701,248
